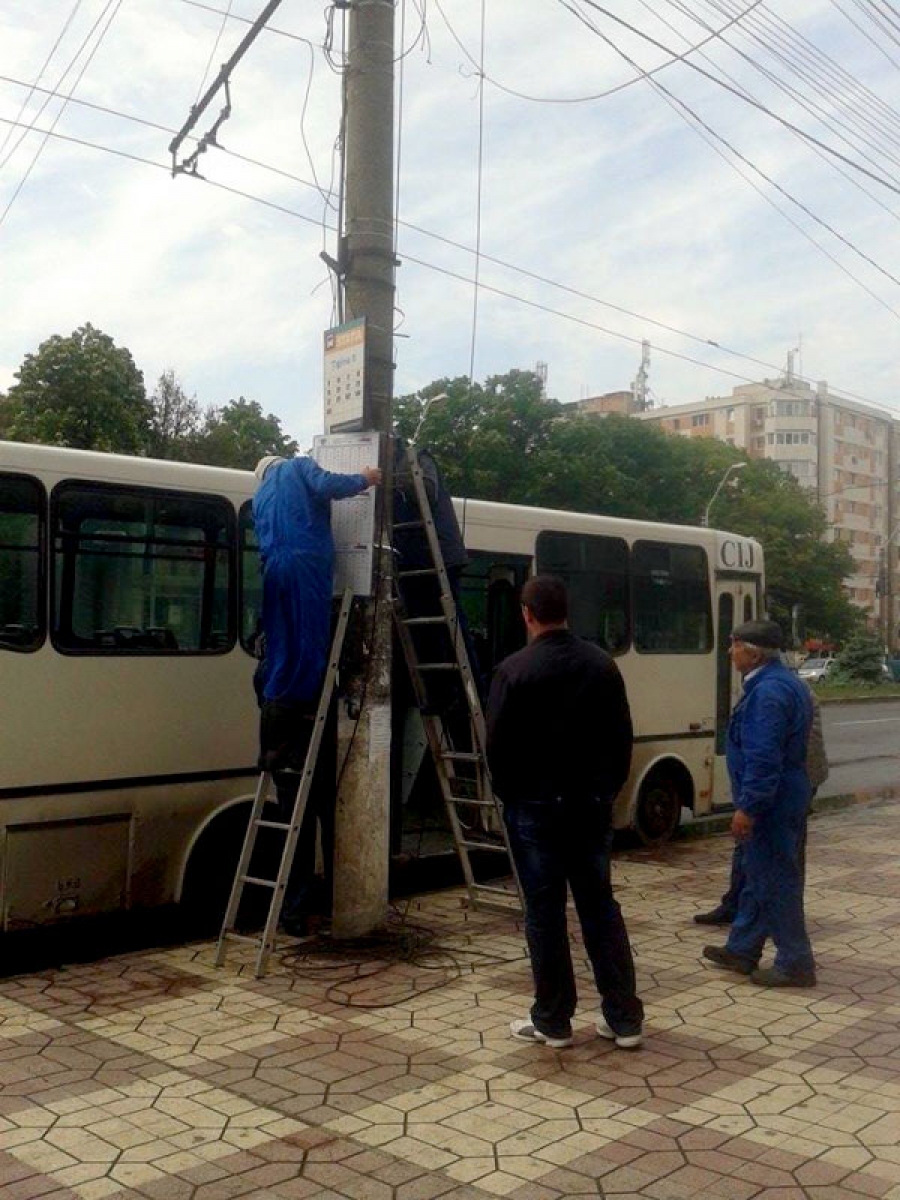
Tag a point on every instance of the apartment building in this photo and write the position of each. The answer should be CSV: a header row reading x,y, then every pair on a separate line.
x,y
846,451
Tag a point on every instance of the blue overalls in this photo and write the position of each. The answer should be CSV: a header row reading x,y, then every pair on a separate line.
x,y
292,518
766,756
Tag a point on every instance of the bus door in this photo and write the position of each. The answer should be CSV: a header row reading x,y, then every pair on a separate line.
x,y
737,600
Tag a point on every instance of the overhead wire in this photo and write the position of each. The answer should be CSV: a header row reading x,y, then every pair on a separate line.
x,y
697,120
834,166
26,126
37,79
62,109
619,87
212,53
877,44
890,184
829,118
519,270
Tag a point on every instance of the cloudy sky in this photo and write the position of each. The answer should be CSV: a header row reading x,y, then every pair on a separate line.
x,y
672,198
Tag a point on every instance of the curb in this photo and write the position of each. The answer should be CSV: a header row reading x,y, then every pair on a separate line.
x,y
721,822
826,700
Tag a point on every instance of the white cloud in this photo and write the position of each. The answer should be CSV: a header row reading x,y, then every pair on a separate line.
x,y
616,198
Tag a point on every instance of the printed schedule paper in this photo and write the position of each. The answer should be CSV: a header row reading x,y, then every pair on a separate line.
x,y
352,520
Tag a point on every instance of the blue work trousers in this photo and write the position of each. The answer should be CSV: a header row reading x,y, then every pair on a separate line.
x,y
569,840
770,904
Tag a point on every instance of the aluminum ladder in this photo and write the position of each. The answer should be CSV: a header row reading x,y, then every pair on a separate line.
x,y
265,941
460,762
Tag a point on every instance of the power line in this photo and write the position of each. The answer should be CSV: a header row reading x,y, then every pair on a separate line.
x,y
878,46
594,95
478,194
448,241
62,109
890,184
40,74
673,100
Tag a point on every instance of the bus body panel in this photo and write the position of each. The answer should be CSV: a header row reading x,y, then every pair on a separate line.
x,y
141,757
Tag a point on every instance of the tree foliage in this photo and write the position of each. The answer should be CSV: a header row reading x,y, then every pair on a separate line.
x,y
502,441
238,435
862,659
176,420
81,391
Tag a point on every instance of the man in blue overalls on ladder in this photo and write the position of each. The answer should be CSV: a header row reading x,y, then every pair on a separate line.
x,y
292,519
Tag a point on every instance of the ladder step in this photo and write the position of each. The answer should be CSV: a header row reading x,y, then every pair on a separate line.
x,y
439,666
272,825
241,937
408,524
469,845
268,883
419,571
463,802
426,621
461,756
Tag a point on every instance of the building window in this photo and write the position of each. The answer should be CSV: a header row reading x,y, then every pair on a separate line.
x,y
141,571
672,613
595,570
22,532
700,419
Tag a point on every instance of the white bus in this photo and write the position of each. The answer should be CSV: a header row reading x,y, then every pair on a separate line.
x,y
129,604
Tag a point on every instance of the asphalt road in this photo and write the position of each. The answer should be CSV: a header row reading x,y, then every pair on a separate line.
x,y
863,744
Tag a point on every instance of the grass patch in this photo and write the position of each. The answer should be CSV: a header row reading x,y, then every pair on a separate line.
x,y
830,690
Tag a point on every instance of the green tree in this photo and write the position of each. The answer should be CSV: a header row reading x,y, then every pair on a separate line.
x,y
81,391
504,442
175,420
801,567
861,659
238,435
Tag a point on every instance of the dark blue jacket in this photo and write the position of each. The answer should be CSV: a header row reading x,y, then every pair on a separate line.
x,y
767,736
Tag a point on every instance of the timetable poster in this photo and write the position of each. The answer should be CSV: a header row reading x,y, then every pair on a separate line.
x,y
352,520
344,376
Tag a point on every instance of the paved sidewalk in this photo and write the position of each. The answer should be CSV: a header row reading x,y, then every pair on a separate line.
x,y
156,1075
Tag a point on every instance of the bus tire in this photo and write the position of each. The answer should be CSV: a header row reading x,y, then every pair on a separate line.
x,y
657,813
210,873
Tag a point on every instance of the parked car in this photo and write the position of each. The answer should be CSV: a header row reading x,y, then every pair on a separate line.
x,y
815,669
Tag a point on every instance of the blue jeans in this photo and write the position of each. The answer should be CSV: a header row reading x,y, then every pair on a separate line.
x,y
728,905
770,904
568,840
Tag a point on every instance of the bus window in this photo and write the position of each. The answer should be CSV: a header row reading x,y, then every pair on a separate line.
x,y
141,571
251,580
671,599
21,563
595,570
489,591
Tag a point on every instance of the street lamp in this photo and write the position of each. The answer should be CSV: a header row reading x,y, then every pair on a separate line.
x,y
737,466
427,405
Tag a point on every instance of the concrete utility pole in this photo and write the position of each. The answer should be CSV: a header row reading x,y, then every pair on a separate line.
x,y
362,832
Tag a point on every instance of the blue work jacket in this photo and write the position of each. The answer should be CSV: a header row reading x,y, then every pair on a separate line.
x,y
766,748
292,507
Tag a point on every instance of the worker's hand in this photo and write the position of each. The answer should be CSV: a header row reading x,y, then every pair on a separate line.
x,y
372,475
741,826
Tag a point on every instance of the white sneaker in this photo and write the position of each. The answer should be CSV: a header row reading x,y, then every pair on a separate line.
x,y
625,1041
526,1032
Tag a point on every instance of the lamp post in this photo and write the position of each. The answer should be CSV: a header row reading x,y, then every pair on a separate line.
x,y
737,466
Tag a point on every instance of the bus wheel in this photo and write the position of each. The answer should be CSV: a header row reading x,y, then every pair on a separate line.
x,y
658,810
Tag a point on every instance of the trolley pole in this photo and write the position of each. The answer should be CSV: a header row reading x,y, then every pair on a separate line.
x,y
362,821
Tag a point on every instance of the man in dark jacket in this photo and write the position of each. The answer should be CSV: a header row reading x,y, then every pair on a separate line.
x,y
766,755
559,750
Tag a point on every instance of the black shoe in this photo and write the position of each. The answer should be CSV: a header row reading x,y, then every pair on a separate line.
x,y
297,927
723,957
774,977
718,916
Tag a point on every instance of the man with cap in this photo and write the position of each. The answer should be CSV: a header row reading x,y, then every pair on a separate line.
x,y
766,756
292,520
